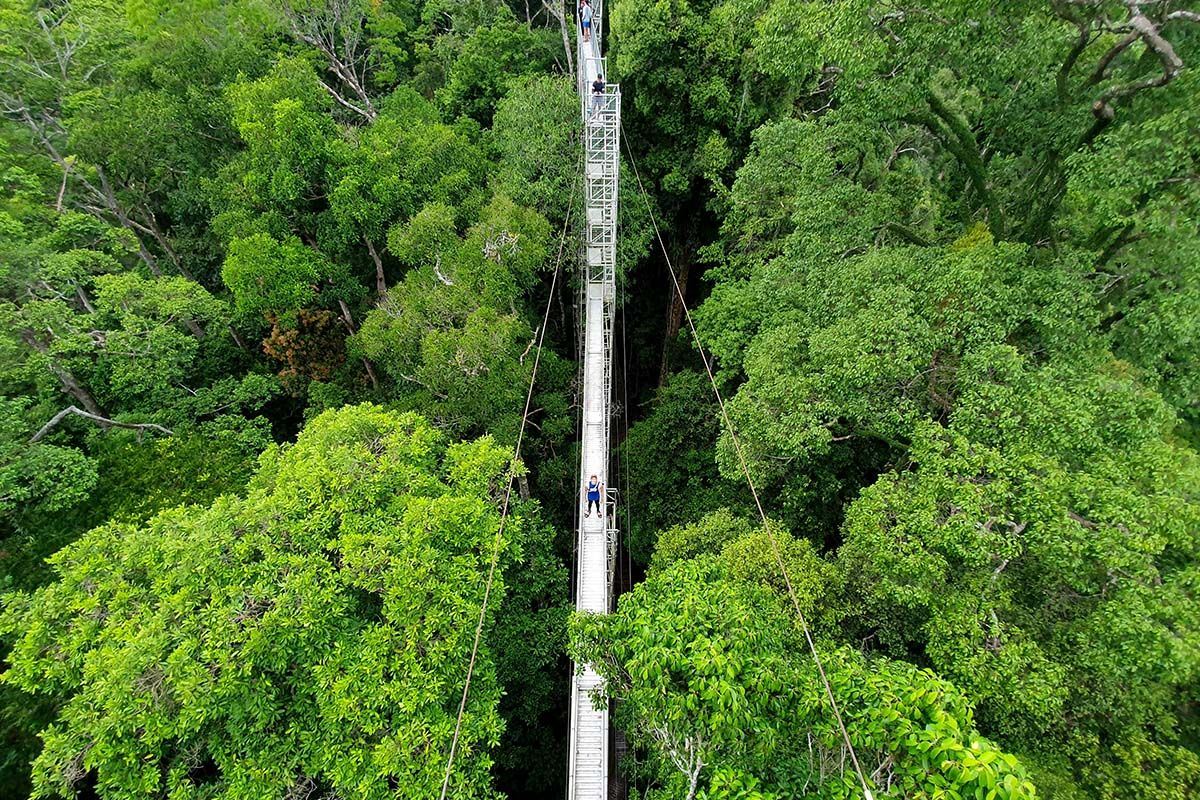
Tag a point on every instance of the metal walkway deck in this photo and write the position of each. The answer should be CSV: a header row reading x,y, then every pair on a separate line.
x,y
588,766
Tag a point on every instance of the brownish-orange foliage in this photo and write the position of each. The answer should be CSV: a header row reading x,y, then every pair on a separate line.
x,y
311,349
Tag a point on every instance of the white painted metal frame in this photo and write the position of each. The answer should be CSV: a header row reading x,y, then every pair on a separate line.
x,y
588,767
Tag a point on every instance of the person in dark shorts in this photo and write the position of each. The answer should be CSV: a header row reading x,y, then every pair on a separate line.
x,y
594,488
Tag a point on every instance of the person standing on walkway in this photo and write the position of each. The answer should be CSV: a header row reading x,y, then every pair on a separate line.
x,y
585,19
594,488
597,94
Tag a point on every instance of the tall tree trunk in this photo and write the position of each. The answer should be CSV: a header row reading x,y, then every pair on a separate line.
x,y
237,339
380,279
960,141
72,387
681,263
674,316
110,200
151,226
69,384
84,299
347,317
62,190
366,362
559,12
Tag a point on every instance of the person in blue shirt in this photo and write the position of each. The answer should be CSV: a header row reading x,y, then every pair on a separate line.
x,y
594,488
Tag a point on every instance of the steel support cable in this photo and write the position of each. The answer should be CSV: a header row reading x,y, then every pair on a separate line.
x,y
487,589
737,446
626,497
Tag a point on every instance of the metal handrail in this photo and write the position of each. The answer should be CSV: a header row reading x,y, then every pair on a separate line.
x,y
601,116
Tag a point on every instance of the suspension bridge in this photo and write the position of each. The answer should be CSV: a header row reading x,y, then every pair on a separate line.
x,y
589,756
589,769
596,545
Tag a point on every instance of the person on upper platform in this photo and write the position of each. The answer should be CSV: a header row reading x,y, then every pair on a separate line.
x,y
585,19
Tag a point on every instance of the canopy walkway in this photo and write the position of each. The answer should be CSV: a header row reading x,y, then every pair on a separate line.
x,y
588,765
588,774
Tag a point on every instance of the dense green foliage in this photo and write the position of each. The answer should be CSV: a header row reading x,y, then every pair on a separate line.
x,y
271,272
714,678
673,476
216,222
312,634
953,303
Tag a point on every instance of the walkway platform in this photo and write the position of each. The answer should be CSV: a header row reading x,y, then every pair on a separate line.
x,y
588,767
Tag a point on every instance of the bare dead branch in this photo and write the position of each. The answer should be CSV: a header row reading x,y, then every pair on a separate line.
x,y
1147,30
105,422
362,112
1189,16
336,29
1139,27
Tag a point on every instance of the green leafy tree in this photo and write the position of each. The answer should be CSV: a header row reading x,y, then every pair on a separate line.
x,y
714,683
673,51
535,133
267,276
313,634
182,181
920,295
1042,546
536,136
382,177
673,473
275,184
41,477
453,334
488,58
